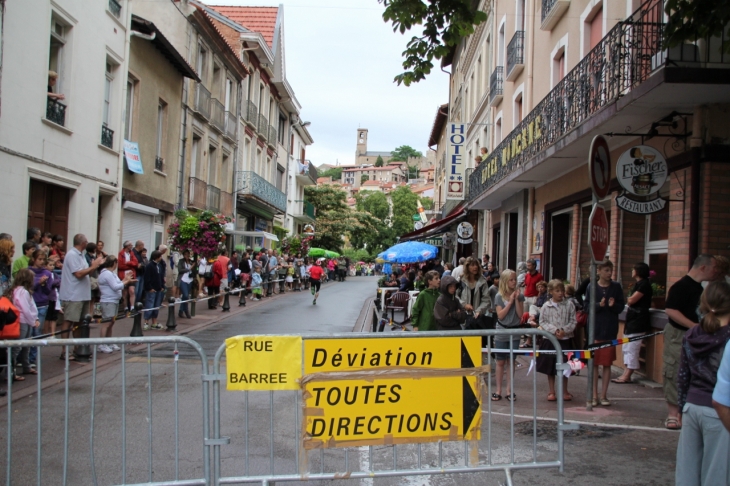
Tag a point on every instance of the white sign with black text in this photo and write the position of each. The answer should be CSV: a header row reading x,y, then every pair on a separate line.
x,y
455,162
641,171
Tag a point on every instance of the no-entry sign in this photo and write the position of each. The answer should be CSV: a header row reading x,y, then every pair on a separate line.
x,y
599,166
598,233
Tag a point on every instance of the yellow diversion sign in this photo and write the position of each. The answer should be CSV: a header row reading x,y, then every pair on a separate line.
x,y
389,391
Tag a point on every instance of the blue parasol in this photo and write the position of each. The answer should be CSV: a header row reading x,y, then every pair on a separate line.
x,y
409,252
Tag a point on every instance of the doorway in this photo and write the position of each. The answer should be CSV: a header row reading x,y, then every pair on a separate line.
x,y
512,222
496,239
48,207
560,245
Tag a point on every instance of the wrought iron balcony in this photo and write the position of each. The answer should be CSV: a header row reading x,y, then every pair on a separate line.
x,y
202,101
496,86
250,184
107,137
251,113
217,115
516,55
197,193
272,136
263,126
159,164
56,112
624,59
308,209
226,203
115,8
231,125
306,213
552,10
214,198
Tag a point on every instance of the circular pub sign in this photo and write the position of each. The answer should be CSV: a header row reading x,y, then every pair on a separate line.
x,y
465,231
641,170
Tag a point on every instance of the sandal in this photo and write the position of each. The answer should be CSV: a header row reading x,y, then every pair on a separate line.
x,y
552,397
496,397
18,378
511,398
30,371
605,402
618,380
568,397
672,423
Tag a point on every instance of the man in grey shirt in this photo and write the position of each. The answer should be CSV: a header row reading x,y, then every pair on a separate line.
x,y
75,292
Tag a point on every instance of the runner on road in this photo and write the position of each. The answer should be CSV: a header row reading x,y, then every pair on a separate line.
x,y
315,276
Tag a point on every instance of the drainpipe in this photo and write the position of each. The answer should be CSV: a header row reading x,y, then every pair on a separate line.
x,y
184,140
148,37
529,28
695,144
530,218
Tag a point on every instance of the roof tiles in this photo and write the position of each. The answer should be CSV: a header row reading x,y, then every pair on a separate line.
x,y
256,19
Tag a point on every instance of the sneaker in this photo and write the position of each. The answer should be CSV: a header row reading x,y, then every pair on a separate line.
x,y
104,349
178,300
114,347
314,302
31,365
146,326
157,326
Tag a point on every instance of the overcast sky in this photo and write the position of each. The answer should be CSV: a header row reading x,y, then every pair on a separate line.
x,y
341,59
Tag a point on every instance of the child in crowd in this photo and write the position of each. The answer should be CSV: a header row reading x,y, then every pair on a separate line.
x,y
422,314
508,304
557,316
20,294
493,291
533,315
449,312
420,282
256,282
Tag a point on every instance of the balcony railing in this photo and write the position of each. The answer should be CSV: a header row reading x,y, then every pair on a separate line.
x,y
496,85
249,183
231,125
552,10
226,203
515,55
202,100
56,112
272,136
197,193
626,57
214,198
115,8
107,137
263,126
307,172
159,164
217,115
251,113
308,209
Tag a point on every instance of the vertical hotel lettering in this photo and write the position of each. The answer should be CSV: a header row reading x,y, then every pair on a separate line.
x,y
456,174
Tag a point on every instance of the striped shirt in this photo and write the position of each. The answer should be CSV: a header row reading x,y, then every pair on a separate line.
x,y
558,315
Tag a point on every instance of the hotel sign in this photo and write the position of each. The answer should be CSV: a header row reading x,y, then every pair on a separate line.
x,y
641,171
456,170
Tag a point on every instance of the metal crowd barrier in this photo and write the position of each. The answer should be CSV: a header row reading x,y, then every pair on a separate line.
x,y
127,424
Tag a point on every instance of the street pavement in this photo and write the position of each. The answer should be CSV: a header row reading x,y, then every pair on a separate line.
x,y
616,445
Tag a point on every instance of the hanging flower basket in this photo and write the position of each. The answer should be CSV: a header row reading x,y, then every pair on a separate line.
x,y
201,233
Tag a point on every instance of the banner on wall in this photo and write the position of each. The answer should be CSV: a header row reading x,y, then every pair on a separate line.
x,y
131,155
455,163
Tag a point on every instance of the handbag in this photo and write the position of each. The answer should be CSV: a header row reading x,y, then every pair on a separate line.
x,y
581,318
9,319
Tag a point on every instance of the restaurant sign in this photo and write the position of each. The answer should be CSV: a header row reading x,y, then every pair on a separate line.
x,y
641,171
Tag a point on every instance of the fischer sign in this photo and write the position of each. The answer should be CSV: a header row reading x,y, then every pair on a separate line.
x,y
641,171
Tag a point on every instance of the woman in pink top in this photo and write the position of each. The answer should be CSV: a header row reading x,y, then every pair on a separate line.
x,y
22,299
331,269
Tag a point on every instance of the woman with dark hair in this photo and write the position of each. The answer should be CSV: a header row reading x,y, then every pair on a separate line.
x,y
702,452
154,287
638,320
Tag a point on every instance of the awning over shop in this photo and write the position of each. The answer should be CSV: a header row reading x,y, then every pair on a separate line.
x,y
435,228
254,234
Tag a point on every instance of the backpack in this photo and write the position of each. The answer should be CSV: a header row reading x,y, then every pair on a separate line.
x,y
9,319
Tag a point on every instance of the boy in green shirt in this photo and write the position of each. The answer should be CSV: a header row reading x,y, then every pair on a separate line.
x,y
23,261
422,313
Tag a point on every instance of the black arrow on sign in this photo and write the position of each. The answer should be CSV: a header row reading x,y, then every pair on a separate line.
x,y
466,361
470,404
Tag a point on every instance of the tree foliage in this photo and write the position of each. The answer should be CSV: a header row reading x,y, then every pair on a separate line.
x,y
379,161
427,203
335,173
401,154
335,219
693,19
375,203
404,207
445,23
364,178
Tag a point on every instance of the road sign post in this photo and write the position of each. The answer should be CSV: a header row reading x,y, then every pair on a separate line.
x,y
599,173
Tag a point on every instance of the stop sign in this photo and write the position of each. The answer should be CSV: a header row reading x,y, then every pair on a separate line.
x,y
598,233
